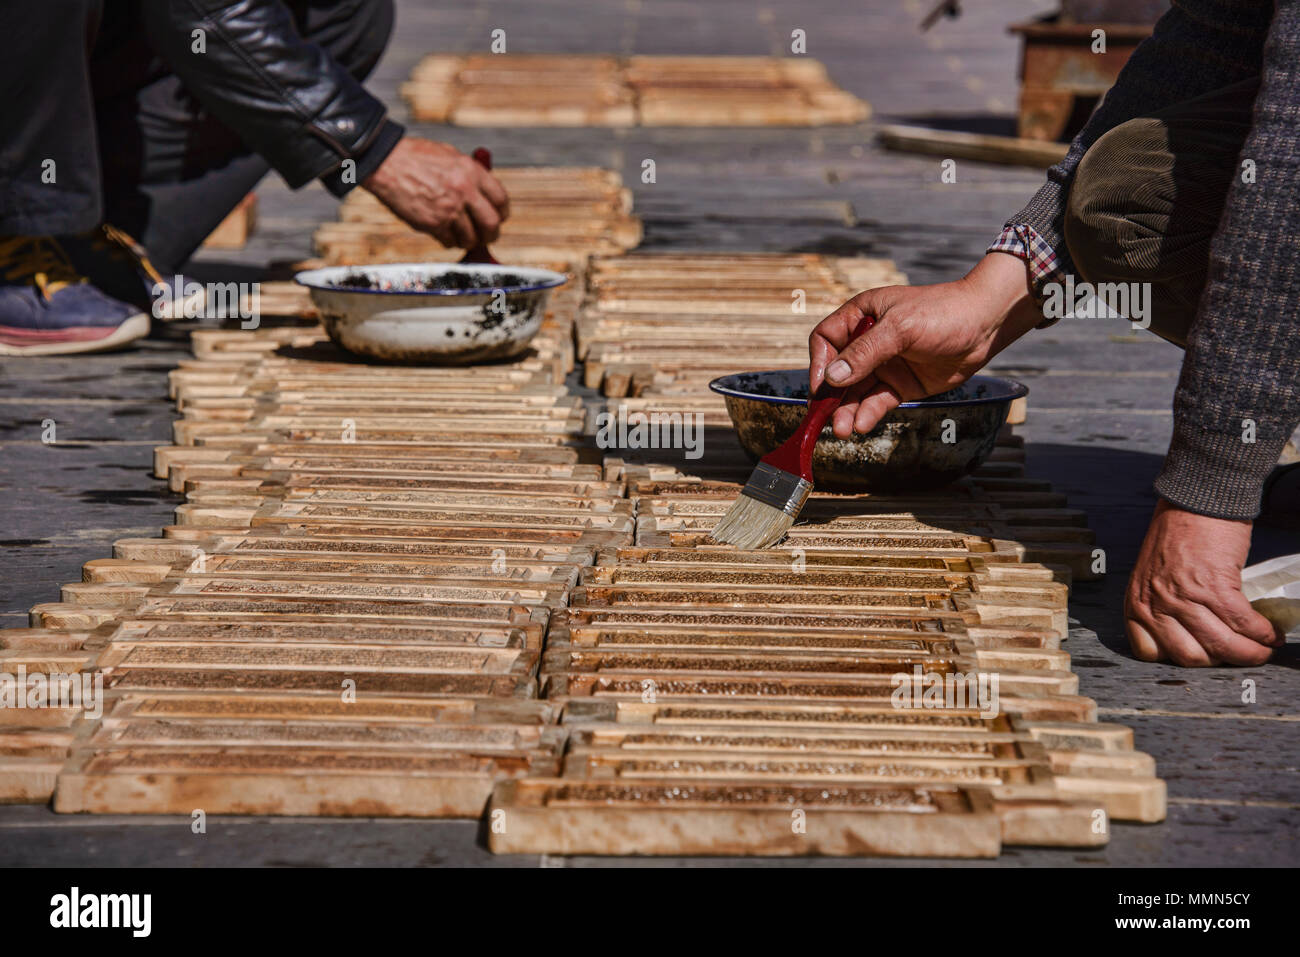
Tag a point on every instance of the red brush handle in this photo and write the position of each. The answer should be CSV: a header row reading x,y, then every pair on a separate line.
x,y
481,253
795,453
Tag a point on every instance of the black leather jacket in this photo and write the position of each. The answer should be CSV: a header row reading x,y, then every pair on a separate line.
x,y
287,98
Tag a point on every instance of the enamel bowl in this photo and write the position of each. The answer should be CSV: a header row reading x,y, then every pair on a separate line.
x,y
920,445
383,312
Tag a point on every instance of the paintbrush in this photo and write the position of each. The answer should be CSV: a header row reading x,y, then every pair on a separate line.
x,y
481,253
783,479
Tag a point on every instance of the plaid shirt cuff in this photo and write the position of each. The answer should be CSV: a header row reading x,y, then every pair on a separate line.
x,y
1044,264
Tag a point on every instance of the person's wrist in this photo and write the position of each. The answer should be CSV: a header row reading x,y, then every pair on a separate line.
x,y
1000,282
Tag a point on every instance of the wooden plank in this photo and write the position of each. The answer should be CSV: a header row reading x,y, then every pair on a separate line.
x,y
982,147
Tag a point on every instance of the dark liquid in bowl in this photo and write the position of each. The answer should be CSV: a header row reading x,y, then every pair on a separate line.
x,y
450,281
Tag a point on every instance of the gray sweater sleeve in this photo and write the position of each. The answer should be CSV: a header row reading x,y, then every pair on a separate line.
x,y
1244,345
1241,379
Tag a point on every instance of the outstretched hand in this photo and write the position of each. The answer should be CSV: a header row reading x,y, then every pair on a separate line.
x,y
926,339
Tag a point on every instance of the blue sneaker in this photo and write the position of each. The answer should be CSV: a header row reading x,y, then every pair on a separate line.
x,y
47,308
115,263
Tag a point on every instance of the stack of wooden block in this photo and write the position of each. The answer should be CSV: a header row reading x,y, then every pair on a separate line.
x,y
395,590
668,323
551,90
556,214
347,616
728,702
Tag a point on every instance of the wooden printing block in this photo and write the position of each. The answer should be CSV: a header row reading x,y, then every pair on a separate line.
x,y
45,640
1036,604
369,710
315,526
427,500
447,482
851,526
1015,767
238,433
172,551
386,537
27,778
670,661
407,422
187,432
783,559
774,621
43,674
1017,650
997,768
670,665
730,597
413,515
319,682
252,780
69,617
816,716
1034,694
200,586
386,736
349,658
381,405
1026,821
562,816
318,609
275,460
714,501
1040,696
614,637
305,470
289,632
320,567
562,635
504,108
1005,606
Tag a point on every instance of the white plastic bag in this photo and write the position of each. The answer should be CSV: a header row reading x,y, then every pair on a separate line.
x,y
1273,588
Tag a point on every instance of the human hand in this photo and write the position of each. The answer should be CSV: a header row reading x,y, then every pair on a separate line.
x,y
439,190
926,339
1184,602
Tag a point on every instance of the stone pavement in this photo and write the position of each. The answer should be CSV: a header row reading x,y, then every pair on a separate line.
x,y
1099,405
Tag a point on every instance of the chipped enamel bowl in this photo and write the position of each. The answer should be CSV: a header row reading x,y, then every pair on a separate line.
x,y
384,314
905,451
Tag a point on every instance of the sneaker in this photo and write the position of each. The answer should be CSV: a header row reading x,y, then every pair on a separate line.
x,y
47,308
116,264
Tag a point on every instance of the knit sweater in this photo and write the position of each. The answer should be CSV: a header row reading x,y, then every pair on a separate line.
x,y
1241,376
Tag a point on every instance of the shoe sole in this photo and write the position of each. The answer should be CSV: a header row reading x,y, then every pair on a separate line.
x,y
65,342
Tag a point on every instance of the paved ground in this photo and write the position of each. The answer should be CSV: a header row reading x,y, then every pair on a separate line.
x,y
1098,424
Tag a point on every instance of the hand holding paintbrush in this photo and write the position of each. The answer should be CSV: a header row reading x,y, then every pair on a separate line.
x,y
782,481
480,252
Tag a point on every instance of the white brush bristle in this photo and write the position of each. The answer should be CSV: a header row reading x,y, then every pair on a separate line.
x,y
750,523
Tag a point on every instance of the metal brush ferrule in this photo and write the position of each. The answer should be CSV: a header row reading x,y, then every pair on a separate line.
x,y
778,488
